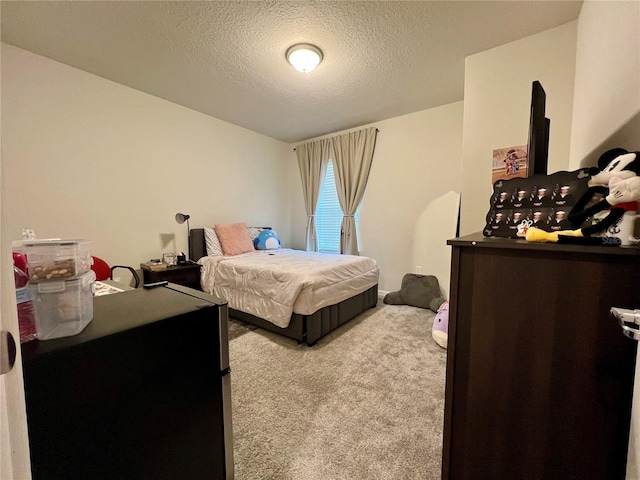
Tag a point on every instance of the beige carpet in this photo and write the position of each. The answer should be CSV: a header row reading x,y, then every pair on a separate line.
x,y
238,328
366,402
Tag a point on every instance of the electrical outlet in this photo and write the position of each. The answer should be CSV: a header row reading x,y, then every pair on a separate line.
x,y
418,268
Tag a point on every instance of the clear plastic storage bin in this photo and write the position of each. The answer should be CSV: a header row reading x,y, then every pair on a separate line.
x,y
63,307
56,259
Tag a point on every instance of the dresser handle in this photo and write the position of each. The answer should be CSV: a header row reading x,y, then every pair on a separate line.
x,y
629,321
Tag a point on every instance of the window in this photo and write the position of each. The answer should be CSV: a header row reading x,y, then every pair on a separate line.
x,y
329,215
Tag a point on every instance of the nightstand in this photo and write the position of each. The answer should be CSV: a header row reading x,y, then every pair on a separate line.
x,y
187,275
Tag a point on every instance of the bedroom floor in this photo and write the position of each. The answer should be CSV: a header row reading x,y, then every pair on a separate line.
x,y
367,402
238,328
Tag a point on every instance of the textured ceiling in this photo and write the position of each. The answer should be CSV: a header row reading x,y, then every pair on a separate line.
x,y
226,59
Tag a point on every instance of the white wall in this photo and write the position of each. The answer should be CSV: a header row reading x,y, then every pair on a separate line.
x,y
497,101
430,244
88,158
417,159
607,112
607,84
85,157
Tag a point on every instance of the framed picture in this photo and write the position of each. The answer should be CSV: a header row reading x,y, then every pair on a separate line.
x,y
542,201
510,162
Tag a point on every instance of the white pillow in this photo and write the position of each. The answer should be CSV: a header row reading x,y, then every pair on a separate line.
x,y
254,232
212,242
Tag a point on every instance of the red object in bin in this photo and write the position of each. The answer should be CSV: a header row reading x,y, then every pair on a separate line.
x,y
26,312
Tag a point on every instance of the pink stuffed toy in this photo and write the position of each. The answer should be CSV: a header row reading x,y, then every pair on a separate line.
x,y
440,330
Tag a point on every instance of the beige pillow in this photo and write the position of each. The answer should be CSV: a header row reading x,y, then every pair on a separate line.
x,y
234,238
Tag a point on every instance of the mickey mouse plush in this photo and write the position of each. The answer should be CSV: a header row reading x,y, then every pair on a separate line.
x,y
617,179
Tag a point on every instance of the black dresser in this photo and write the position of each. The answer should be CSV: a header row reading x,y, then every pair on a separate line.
x,y
142,393
539,374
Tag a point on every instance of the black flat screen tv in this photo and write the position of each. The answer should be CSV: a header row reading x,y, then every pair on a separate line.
x,y
538,142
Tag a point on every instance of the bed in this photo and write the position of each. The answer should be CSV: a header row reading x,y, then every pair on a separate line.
x,y
321,304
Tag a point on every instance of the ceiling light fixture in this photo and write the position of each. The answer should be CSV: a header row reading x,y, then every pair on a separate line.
x,y
304,57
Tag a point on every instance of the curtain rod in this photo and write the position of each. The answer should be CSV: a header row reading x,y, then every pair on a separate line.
x,y
377,130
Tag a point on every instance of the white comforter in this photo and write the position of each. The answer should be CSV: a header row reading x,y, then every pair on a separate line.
x,y
272,284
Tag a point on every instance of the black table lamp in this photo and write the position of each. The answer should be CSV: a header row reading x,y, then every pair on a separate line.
x,y
181,218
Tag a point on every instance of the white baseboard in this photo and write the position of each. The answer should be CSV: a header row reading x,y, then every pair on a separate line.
x,y
381,294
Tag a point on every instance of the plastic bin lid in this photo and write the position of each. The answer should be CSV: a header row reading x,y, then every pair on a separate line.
x,y
47,242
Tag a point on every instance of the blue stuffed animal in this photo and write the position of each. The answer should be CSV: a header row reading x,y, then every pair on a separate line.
x,y
266,240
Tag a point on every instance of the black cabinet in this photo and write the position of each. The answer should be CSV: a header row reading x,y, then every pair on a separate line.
x,y
539,375
187,275
142,393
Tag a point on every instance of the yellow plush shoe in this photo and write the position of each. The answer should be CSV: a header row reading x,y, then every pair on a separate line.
x,y
535,234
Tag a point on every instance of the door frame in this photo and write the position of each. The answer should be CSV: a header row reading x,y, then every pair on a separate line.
x,y
14,441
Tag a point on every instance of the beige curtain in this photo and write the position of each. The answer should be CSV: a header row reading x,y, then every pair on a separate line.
x,y
312,160
352,154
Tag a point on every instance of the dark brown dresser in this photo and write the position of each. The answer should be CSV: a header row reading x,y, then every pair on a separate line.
x,y
143,392
539,375
187,275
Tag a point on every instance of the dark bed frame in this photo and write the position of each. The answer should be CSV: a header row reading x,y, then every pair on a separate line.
x,y
303,328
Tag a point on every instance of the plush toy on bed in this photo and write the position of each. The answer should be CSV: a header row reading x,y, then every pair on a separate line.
x,y
617,180
267,239
418,291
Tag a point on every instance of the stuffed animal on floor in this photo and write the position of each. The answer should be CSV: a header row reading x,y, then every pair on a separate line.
x,y
440,330
421,291
617,180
